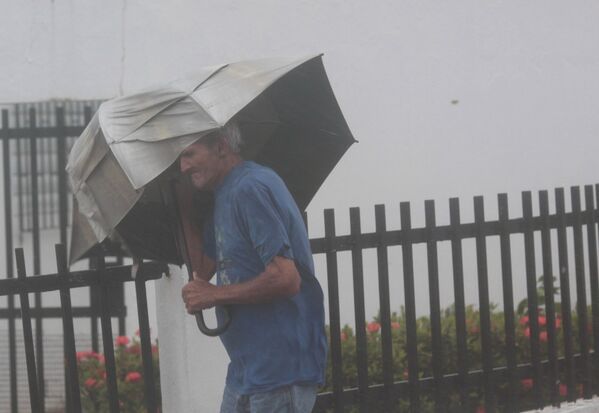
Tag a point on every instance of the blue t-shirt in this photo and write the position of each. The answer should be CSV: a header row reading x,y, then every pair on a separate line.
x,y
282,342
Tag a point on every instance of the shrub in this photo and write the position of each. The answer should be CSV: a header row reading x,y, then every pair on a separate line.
x,y
129,372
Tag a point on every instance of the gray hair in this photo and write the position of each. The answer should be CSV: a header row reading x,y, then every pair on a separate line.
x,y
232,135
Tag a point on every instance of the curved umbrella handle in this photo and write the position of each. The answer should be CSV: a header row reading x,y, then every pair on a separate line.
x,y
213,332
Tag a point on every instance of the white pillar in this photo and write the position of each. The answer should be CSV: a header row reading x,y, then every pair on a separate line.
x,y
192,366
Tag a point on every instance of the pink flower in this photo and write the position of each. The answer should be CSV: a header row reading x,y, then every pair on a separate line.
x,y
558,322
132,377
523,320
122,341
527,332
343,336
395,325
527,383
154,349
543,336
90,383
563,390
373,327
542,320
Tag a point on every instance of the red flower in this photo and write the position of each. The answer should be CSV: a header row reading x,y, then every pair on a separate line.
x,y
526,384
558,322
523,320
90,383
373,327
542,320
395,325
132,377
543,336
135,349
83,355
563,390
527,332
122,341
154,349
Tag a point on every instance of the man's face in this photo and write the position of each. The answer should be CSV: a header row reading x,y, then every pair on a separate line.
x,y
202,163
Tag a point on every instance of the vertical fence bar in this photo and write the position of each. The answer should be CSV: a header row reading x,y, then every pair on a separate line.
x,y
146,345
410,300
531,289
34,395
12,345
483,298
39,335
359,308
552,375
72,379
564,277
334,316
113,396
594,281
61,154
508,302
435,307
460,302
385,306
581,294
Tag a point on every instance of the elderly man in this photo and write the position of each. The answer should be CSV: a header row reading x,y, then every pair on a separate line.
x,y
257,245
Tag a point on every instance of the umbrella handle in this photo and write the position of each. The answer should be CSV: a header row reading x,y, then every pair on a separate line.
x,y
213,332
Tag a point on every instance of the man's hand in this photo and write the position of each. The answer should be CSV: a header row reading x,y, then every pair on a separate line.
x,y
198,295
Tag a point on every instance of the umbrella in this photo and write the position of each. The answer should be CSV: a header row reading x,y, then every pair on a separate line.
x,y
118,168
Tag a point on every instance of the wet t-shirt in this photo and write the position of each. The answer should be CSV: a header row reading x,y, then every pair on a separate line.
x,y
280,342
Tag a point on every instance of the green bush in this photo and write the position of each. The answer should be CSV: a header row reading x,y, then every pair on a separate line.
x,y
129,372
449,350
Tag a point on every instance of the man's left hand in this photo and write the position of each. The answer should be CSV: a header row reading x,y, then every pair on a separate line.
x,y
198,295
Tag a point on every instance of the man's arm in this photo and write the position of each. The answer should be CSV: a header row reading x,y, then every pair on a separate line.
x,y
280,279
202,266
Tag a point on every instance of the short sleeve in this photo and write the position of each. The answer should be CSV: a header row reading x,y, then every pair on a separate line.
x,y
261,208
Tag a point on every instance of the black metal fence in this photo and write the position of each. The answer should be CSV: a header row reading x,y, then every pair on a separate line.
x,y
103,277
442,386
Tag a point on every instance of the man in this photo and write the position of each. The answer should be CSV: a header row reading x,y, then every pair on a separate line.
x,y
257,244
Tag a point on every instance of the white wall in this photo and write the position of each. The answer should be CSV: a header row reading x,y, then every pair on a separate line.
x,y
447,99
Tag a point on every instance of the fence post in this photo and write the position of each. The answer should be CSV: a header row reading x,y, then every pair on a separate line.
x,y
564,277
410,300
12,346
460,302
335,323
34,394
360,327
72,379
435,307
508,302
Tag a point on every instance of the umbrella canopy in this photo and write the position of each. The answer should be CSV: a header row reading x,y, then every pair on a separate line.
x,y
289,120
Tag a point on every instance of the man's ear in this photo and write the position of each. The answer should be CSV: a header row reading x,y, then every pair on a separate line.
x,y
222,148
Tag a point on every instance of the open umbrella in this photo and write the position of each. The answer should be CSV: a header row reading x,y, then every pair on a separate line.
x,y
119,166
